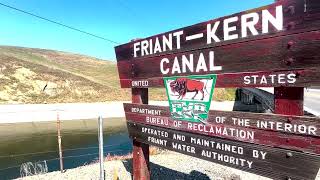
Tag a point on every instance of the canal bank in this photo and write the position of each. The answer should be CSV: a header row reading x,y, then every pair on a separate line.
x,y
32,148
18,113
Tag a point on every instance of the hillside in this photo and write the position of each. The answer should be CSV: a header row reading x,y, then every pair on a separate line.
x,y
29,75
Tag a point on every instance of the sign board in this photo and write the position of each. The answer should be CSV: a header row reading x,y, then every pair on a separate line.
x,y
271,46
291,132
275,45
270,162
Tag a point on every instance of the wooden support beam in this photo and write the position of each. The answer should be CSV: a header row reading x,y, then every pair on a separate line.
x,y
288,100
141,168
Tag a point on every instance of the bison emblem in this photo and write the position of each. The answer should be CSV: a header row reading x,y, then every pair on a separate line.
x,y
184,85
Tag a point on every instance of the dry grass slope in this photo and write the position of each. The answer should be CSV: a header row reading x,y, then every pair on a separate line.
x,y
30,75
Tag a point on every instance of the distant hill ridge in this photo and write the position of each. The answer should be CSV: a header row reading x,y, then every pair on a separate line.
x,y
30,75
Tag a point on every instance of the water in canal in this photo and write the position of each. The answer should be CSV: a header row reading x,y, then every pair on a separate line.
x,y
26,143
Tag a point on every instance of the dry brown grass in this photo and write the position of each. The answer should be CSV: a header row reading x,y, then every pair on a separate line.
x,y
118,157
153,150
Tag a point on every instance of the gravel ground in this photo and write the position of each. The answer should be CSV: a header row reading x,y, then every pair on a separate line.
x,y
168,165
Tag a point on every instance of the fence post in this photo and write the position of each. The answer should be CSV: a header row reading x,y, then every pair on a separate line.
x,y
100,138
59,142
141,168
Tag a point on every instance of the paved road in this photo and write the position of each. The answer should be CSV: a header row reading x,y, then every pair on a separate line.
x,y
312,101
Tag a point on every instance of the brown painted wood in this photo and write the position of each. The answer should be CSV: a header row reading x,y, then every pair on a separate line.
x,y
298,16
253,117
288,100
277,164
271,137
251,56
269,55
305,78
295,48
140,152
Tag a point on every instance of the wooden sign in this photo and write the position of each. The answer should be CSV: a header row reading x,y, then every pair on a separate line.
x,y
275,45
291,132
270,162
272,46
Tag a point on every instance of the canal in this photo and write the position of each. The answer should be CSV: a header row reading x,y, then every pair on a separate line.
x,y
33,146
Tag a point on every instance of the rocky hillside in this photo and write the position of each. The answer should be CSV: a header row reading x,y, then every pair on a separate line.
x,y
30,75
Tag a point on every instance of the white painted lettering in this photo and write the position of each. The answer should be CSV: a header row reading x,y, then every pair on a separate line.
x,y
211,32
227,29
164,71
276,21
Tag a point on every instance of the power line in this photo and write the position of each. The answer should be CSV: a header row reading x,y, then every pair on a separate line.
x,y
92,154
58,23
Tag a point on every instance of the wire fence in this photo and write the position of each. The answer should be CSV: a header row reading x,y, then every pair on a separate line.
x,y
38,163
41,167
65,150
23,165
53,134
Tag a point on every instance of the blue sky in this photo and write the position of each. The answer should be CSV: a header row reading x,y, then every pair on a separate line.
x,y
118,20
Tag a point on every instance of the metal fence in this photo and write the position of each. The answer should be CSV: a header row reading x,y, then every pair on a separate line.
x,y
30,168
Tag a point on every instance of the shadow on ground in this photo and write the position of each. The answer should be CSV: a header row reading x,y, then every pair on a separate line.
x,y
163,173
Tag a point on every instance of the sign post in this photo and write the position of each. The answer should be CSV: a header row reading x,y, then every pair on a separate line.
x,y
141,168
